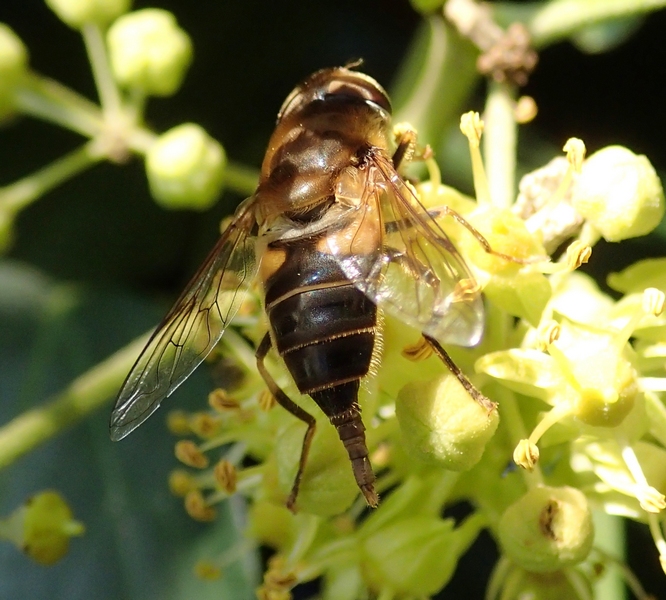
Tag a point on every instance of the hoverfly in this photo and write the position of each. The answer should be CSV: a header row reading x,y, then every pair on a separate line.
x,y
333,232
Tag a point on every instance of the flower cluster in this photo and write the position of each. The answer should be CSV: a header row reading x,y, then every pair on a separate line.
x,y
576,375
134,55
560,357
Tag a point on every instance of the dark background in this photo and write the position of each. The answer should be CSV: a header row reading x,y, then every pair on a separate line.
x,y
103,232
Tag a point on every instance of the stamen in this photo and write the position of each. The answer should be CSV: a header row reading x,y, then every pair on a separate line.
x,y
472,127
196,507
189,454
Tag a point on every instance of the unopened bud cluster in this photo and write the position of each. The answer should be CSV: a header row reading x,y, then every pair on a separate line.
x,y
135,55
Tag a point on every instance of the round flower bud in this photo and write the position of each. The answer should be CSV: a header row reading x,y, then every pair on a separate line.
x,y
545,586
42,527
271,524
547,529
523,294
13,66
185,168
619,193
327,487
442,424
77,13
412,557
149,51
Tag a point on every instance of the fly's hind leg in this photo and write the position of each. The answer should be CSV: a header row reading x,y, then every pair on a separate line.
x,y
427,346
294,409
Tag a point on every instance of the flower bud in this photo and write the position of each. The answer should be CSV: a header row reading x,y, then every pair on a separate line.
x,y
77,13
605,381
523,294
185,168
412,556
327,487
13,66
546,586
619,193
42,527
547,529
271,524
442,424
149,51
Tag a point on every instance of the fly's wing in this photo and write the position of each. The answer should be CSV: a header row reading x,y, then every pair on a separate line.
x,y
397,254
192,327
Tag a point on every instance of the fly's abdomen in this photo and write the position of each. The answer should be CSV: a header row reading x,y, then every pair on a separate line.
x,y
324,330
323,327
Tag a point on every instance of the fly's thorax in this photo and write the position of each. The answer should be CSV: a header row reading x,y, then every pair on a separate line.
x,y
358,222
300,174
312,144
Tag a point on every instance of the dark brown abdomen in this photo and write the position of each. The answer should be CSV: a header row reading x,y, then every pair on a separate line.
x,y
324,330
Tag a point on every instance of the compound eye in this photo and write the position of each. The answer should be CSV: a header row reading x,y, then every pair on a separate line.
x,y
360,86
295,100
336,82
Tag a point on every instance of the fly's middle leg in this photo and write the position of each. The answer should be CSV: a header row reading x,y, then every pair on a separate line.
x,y
294,409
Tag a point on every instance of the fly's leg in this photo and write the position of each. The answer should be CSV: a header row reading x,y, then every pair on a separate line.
x,y
407,150
405,138
471,389
294,409
485,244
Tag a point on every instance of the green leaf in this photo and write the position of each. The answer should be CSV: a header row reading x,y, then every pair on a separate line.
x,y
139,543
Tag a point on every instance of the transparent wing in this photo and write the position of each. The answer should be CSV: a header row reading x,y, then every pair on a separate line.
x,y
397,254
192,327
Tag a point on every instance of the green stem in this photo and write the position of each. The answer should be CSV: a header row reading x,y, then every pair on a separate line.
x,y
84,395
140,139
135,104
109,95
47,99
307,527
499,139
609,539
498,326
434,81
468,531
497,578
21,193
240,178
556,20
513,420
339,551
656,417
